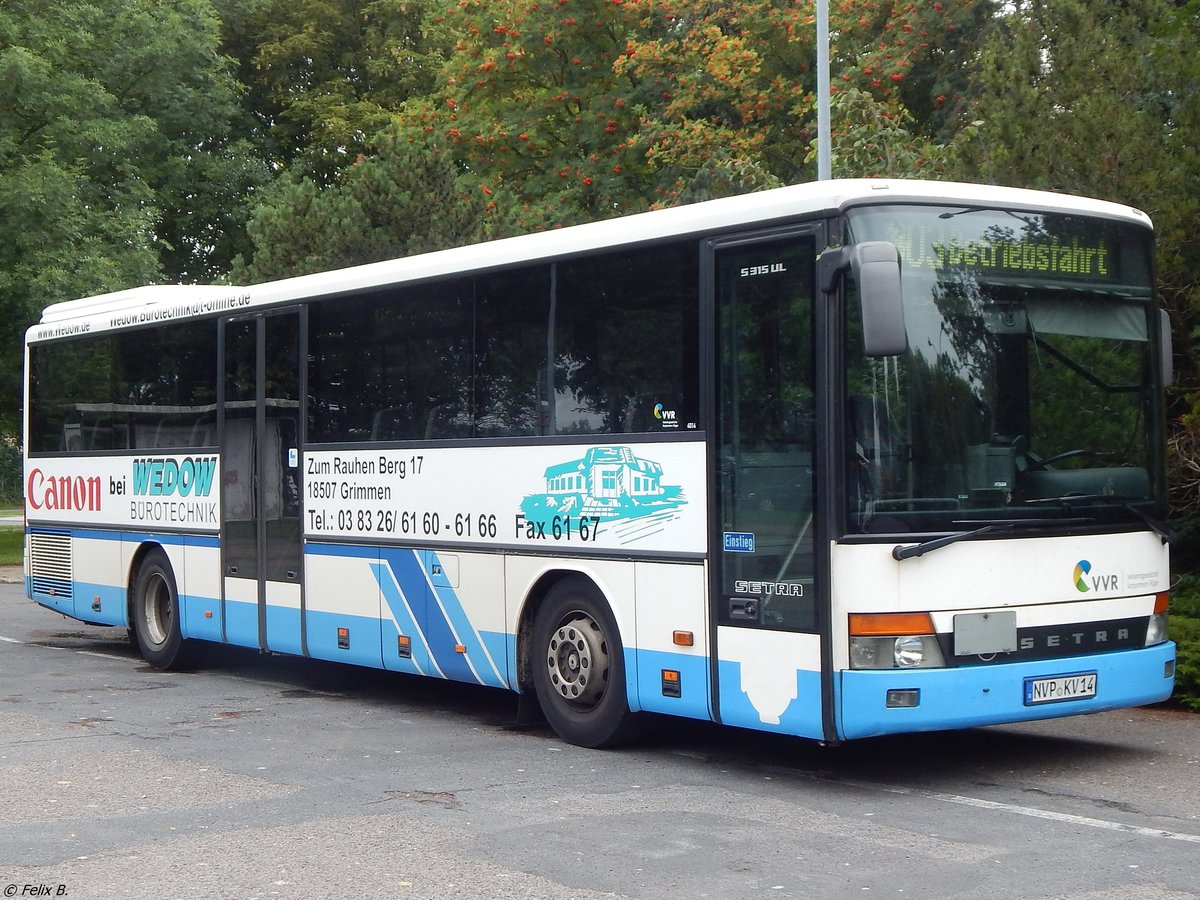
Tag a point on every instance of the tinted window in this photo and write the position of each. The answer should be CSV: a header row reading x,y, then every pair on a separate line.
x,y
511,314
626,332
766,376
140,389
469,358
392,365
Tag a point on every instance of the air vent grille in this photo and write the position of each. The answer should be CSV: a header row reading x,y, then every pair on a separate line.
x,y
50,564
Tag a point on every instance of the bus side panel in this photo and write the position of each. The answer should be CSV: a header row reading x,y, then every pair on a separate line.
x,y
404,575
405,648
465,615
434,613
241,612
671,599
770,680
342,609
199,585
98,579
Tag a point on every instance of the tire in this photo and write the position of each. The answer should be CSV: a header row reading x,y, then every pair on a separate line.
x,y
579,666
156,615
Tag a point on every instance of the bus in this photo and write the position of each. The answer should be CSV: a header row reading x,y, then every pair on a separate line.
x,y
834,460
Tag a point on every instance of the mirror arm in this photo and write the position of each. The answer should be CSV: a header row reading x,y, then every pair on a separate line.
x,y
832,264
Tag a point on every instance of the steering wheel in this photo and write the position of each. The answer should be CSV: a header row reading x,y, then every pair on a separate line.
x,y
1037,464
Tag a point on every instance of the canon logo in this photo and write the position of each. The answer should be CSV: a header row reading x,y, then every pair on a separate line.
x,y
65,492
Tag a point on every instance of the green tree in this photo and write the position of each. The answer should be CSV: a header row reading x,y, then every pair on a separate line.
x,y
573,110
323,76
534,110
875,138
402,199
740,84
117,163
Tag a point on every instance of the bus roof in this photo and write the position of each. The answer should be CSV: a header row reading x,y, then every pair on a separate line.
x,y
756,209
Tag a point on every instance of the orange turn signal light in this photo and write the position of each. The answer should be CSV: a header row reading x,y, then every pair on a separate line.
x,y
890,624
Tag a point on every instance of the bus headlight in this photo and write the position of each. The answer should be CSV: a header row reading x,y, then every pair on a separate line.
x,y
909,651
869,653
893,641
1156,629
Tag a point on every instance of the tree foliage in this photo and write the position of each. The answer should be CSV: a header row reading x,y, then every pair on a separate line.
x,y
572,110
323,76
400,200
118,164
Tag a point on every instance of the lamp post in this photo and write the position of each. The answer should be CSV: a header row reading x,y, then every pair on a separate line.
x,y
824,164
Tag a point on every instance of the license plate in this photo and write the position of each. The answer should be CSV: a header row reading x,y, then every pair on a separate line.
x,y
1079,686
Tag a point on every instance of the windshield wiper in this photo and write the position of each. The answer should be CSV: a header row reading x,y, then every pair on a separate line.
x,y
902,553
1162,529
1068,500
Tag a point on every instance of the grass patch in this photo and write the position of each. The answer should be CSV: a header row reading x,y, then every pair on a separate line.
x,y
12,540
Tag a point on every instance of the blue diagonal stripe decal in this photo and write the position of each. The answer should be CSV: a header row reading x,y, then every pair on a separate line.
x,y
439,636
485,667
401,611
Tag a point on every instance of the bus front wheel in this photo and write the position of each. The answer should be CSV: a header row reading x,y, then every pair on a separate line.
x,y
156,614
579,667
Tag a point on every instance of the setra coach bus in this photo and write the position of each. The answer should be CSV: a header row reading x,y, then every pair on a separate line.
x,y
835,460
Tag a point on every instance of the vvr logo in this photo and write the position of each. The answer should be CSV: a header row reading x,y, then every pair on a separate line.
x,y
663,415
1085,581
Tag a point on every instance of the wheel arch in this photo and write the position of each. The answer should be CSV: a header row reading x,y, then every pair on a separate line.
x,y
531,603
535,596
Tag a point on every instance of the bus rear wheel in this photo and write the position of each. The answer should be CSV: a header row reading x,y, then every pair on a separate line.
x,y
156,615
579,666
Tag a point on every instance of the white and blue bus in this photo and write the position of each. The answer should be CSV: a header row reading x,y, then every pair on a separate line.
x,y
836,460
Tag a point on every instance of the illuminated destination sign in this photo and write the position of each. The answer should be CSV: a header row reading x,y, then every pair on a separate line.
x,y
999,244
925,247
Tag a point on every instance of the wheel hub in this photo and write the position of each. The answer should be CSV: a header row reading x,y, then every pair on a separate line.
x,y
577,659
158,611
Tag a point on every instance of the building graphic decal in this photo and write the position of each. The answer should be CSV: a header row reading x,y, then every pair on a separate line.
x,y
609,488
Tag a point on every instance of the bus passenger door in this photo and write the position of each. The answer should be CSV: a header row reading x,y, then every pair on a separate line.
x,y
765,585
260,431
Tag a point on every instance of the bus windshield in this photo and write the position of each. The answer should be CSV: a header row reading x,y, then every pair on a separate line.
x,y
1028,392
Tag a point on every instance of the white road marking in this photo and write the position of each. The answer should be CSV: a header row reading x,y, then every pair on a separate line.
x,y
1066,817
8,640
1032,812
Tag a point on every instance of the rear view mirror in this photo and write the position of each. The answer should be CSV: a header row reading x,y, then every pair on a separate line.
x,y
876,268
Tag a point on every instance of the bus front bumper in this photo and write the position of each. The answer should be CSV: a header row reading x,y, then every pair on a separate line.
x,y
996,693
